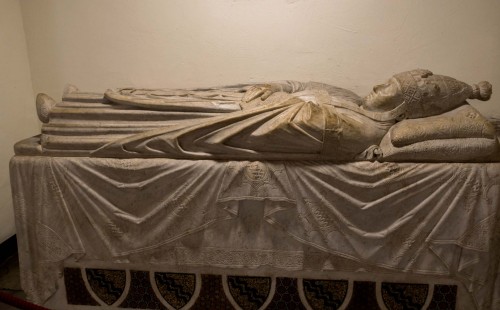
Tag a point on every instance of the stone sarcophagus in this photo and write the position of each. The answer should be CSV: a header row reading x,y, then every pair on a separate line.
x,y
280,195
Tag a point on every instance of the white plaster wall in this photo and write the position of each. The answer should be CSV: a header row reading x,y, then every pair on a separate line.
x,y
97,44
17,116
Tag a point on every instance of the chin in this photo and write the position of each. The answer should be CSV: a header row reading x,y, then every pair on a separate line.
x,y
368,104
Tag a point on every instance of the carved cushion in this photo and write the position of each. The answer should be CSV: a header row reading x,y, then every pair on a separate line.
x,y
462,122
459,135
443,150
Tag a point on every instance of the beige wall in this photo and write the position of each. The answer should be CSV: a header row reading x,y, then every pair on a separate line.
x,y
17,116
97,44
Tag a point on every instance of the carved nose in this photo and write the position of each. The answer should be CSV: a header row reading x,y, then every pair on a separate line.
x,y
376,88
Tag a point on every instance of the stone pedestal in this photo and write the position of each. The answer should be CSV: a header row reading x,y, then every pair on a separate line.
x,y
99,231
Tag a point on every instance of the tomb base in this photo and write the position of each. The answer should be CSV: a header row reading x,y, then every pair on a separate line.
x,y
153,233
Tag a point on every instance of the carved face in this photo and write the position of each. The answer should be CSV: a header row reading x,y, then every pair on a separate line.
x,y
384,97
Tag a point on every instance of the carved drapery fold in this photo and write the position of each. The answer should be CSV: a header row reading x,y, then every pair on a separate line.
x,y
421,218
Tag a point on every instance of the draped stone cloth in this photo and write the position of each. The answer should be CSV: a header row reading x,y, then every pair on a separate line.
x,y
426,219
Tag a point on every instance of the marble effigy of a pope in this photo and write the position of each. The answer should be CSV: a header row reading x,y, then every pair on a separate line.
x,y
414,116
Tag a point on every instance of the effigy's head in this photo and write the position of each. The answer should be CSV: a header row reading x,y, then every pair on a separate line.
x,y
424,94
384,97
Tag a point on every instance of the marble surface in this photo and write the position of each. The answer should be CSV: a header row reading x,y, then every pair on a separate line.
x,y
416,116
427,220
286,177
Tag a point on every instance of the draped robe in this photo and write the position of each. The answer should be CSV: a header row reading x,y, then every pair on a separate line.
x,y
303,125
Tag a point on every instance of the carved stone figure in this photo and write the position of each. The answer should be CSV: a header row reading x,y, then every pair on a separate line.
x,y
414,116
